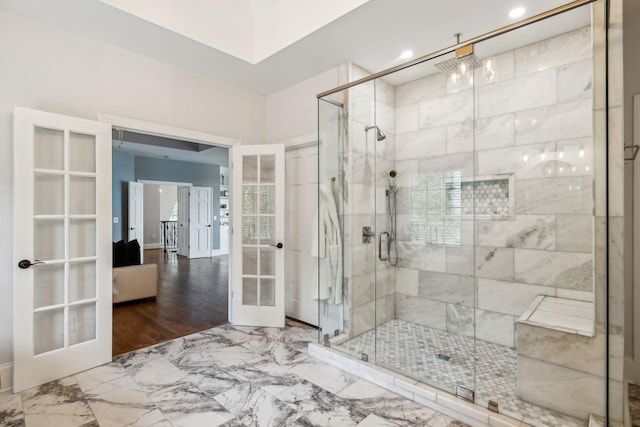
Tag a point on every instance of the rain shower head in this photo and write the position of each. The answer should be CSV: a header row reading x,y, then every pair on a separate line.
x,y
380,136
459,66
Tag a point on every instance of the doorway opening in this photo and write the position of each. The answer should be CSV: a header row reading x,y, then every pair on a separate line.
x,y
184,216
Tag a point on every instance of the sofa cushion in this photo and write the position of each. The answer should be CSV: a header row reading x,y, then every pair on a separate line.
x,y
119,254
133,252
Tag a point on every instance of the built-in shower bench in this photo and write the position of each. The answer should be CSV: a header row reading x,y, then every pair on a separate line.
x,y
560,356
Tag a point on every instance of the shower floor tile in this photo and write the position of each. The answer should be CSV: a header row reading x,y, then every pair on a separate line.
x,y
446,360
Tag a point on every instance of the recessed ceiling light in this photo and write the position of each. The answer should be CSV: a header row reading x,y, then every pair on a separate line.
x,y
406,54
516,12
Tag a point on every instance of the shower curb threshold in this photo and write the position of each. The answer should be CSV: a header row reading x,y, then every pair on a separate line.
x,y
410,388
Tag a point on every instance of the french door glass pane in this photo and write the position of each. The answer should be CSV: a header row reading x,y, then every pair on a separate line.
x,y
82,195
82,323
250,199
267,292
250,261
48,194
82,152
249,169
82,238
48,330
48,149
267,230
268,169
267,261
82,280
48,283
250,230
48,236
249,291
267,199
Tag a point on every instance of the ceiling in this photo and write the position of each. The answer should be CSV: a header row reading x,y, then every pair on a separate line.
x,y
369,33
372,35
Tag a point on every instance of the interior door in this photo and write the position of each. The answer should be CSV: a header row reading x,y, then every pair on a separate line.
x,y
183,221
62,246
136,214
200,219
302,198
257,232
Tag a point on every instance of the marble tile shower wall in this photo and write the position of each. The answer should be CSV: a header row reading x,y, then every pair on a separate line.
x,y
367,166
532,121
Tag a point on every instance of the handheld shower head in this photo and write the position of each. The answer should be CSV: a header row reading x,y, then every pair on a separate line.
x,y
380,136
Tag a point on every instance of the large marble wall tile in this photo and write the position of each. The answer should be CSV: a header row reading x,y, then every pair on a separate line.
x,y
574,233
384,283
421,311
494,132
571,47
385,118
362,200
361,104
616,272
586,354
407,281
451,288
423,143
462,162
422,257
549,385
362,289
524,231
453,108
508,297
460,260
363,318
554,196
460,137
575,81
616,162
494,262
558,269
553,122
530,91
511,160
460,319
494,327
362,168
385,309
357,222
430,87
407,119
502,66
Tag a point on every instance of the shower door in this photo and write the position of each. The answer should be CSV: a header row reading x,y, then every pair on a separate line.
x,y
425,281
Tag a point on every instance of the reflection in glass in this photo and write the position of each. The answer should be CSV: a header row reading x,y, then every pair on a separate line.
x,y
250,230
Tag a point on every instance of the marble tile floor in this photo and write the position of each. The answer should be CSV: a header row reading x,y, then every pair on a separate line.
x,y
413,350
225,376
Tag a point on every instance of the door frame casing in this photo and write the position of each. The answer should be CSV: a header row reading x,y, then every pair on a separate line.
x,y
157,129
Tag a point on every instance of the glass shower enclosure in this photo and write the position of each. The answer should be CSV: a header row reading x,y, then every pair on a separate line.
x,y
462,220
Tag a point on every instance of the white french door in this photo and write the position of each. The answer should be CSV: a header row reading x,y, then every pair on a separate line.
x,y
62,246
183,221
258,229
136,215
200,219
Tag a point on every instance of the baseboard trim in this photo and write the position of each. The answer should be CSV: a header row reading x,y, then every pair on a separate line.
x,y
217,252
152,246
6,377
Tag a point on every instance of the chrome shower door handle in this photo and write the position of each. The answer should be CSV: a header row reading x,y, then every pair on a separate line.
x,y
380,246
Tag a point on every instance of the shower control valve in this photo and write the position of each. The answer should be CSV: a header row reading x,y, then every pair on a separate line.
x,y
367,234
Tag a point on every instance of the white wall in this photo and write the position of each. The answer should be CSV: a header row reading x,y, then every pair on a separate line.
x,y
293,112
49,69
168,199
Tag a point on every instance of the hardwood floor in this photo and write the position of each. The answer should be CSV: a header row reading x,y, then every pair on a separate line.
x,y
192,296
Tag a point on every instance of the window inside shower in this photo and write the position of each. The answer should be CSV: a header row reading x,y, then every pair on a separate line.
x,y
481,265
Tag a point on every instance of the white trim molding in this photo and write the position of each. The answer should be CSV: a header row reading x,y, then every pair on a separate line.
x,y
157,129
6,376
